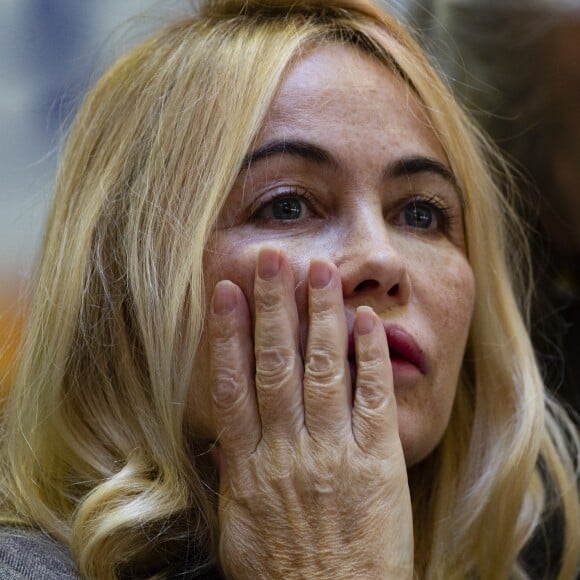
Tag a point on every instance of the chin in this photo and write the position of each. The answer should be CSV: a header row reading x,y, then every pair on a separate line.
x,y
418,438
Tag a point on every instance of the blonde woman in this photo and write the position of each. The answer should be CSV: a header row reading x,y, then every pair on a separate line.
x,y
276,332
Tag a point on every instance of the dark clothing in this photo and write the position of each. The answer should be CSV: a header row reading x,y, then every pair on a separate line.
x,y
27,554
31,555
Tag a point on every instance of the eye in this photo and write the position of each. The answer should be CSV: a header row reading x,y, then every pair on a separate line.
x,y
429,215
419,215
285,206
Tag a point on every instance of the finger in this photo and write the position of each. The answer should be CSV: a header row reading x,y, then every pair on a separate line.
x,y
277,354
374,416
326,374
232,371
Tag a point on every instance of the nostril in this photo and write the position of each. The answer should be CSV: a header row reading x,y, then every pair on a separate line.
x,y
367,285
394,291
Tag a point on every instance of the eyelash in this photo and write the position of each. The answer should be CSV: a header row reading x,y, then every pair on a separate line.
x,y
444,214
262,203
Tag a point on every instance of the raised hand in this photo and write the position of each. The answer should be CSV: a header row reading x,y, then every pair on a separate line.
x,y
313,483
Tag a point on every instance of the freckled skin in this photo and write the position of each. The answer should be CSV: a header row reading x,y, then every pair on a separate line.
x,y
354,108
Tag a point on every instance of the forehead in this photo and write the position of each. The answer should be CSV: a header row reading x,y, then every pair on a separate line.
x,y
336,89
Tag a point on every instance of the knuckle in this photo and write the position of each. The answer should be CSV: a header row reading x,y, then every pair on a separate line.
x,y
227,388
373,358
373,395
222,345
323,367
268,300
371,384
324,305
371,369
274,364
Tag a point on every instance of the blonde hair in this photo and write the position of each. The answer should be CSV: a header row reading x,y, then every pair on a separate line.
x,y
96,449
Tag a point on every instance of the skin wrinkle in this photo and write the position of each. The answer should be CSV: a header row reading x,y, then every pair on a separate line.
x,y
357,206
439,277
326,368
506,444
273,365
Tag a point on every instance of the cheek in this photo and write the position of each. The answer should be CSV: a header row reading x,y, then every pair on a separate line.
x,y
456,310
451,309
460,303
235,258
446,292
444,296
221,264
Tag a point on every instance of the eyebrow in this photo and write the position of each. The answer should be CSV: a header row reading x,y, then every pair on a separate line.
x,y
404,167
296,148
408,166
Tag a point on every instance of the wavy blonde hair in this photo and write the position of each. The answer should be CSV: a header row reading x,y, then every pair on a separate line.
x,y
96,448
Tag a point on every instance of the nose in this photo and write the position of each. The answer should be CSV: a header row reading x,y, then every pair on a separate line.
x,y
370,266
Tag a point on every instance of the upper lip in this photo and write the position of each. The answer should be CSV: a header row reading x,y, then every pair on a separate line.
x,y
401,346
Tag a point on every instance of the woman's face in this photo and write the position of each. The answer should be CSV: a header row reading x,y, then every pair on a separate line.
x,y
347,169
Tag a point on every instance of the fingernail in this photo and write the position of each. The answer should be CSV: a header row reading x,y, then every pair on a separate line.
x,y
319,275
268,263
224,298
364,321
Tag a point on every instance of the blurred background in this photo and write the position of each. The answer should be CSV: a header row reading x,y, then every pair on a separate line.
x,y
514,63
51,51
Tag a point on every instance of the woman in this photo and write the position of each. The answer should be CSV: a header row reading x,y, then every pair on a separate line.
x,y
274,333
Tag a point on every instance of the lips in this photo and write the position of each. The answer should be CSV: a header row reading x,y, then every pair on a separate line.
x,y
403,349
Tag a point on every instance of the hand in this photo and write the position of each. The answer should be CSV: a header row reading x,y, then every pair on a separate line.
x,y
311,484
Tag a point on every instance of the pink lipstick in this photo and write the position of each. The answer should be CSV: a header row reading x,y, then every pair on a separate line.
x,y
404,351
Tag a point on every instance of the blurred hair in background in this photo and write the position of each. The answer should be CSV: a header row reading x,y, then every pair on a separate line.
x,y
515,64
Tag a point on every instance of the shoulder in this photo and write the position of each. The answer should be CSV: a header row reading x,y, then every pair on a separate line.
x,y
27,554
